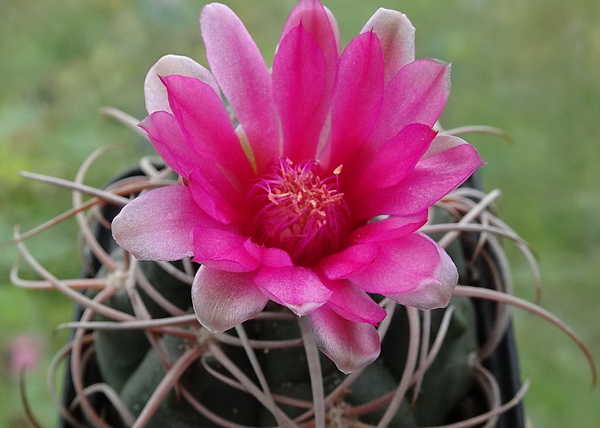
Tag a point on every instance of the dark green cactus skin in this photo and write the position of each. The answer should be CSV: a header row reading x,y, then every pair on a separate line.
x,y
131,366
375,381
227,402
131,346
449,378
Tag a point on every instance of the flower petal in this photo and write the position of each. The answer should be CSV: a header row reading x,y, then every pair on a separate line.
x,y
298,288
271,257
206,124
223,299
389,228
402,265
417,94
243,77
214,193
435,293
397,37
354,304
442,143
348,344
430,180
358,93
154,90
393,160
321,25
299,83
349,260
157,225
222,249
319,22
169,142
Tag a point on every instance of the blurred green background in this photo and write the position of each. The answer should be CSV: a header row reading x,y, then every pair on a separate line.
x,y
529,67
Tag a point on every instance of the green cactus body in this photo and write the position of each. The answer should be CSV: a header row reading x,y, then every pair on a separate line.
x,y
132,367
119,352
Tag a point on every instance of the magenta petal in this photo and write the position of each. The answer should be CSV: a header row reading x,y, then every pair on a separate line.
x,y
169,142
157,225
206,123
271,257
154,90
390,228
402,265
243,77
357,98
348,344
417,94
223,299
394,159
215,195
319,22
436,292
298,288
353,303
349,260
320,26
397,36
299,83
431,179
222,249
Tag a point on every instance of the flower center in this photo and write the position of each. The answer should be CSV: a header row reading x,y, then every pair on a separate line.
x,y
299,210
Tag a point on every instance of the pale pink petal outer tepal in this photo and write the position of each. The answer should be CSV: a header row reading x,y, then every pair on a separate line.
x,y
350,345
435,292
243,77
154,90
397,36
442,143
157,225
223,299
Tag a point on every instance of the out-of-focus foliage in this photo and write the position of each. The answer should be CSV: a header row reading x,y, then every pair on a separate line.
x,y
529,67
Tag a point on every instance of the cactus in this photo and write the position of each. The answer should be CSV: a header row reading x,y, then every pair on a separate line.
x,y
134,362
133,368
158,367
141,357
138,357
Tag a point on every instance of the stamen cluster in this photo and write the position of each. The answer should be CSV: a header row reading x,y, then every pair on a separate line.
x,y
299,210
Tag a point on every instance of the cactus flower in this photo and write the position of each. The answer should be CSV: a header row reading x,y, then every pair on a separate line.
x,y
308,187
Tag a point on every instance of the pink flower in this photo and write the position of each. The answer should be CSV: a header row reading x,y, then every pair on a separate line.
x,y
315,198
25,352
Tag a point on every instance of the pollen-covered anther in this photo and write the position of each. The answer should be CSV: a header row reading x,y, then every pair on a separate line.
x,y
299,209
